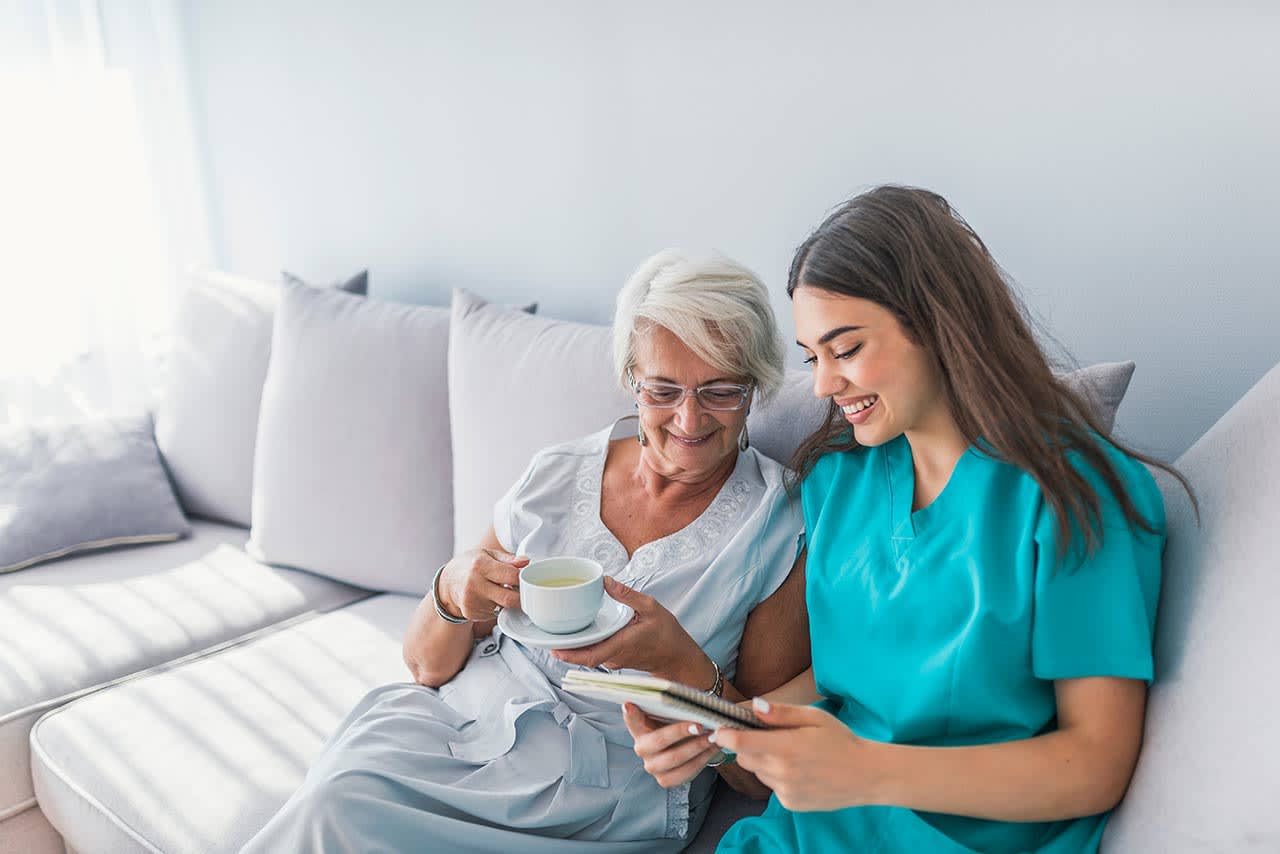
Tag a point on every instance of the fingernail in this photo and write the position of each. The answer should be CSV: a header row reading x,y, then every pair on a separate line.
x,y
694,729
711,739
761,704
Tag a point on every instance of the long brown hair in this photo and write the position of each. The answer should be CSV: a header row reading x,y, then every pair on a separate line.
x,y
908,251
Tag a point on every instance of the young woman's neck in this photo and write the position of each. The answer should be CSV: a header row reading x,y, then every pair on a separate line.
x,y
936,446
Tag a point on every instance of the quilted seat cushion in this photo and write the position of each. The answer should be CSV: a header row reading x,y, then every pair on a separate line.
x,y
195,759
79,623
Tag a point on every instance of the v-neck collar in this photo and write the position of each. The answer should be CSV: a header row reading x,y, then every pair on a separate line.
x,y
728,500
908,523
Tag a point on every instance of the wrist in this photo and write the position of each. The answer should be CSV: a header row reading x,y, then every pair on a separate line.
x,y
699,672
445,609
883,773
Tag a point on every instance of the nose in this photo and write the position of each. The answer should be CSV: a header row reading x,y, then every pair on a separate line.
x,y
826,381
688,414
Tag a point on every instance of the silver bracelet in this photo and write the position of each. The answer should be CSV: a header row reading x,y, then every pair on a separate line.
x,y
435,600
724,757
717,687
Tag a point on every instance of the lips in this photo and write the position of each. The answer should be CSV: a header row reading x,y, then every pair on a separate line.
x,y
858,410
690,443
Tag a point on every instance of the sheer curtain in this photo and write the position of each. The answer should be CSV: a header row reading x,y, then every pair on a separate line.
x,y
101,203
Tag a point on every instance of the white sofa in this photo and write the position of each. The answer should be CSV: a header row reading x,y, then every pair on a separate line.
x,y
169,698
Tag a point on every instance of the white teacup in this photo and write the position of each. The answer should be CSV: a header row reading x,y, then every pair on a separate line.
x,y
561,595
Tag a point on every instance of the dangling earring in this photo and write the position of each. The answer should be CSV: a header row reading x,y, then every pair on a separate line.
x,y
744,441
640,436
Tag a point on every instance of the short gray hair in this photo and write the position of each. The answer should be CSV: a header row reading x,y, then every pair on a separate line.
x,y
717,307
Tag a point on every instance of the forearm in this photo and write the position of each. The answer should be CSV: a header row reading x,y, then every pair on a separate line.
x,y
1051,777
801,690
435,650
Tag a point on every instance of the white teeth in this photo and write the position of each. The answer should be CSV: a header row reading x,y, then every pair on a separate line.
x,y
859,406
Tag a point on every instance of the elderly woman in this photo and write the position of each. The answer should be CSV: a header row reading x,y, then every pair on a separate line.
x,y
485,751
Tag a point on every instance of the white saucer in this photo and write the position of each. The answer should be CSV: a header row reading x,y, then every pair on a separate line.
x,y
612,616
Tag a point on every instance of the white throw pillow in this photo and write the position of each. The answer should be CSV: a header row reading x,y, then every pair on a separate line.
x,y
208,417
518,383
352,474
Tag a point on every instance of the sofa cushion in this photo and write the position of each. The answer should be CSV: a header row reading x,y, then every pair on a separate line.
x,y
504,365
778,426
245,725
352,470
75,624
1104,385
73,486
518,383
1207,778
247,722
207,418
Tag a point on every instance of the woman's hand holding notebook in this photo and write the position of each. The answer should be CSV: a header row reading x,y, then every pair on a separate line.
x,y
662,699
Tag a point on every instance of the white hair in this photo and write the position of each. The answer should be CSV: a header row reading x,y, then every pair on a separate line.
x,y
717,307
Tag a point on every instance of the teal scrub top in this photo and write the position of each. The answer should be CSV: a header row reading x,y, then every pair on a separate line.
x,y
947,626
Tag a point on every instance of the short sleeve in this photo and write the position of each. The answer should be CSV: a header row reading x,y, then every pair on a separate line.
x,y
768,541
506,522
1094,615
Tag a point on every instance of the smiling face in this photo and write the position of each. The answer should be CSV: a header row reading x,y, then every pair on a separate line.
x,y
688,443
862,358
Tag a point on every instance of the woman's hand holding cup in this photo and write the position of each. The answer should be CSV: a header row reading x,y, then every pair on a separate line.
x,y
654,642
477,584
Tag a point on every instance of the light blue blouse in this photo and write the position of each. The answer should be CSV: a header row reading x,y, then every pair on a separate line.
x,y
501,758
947,626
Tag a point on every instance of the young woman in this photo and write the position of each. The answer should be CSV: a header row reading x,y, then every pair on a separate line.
x,y
983,568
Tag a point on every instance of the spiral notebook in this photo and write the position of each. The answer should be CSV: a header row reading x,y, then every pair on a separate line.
x,y
662,699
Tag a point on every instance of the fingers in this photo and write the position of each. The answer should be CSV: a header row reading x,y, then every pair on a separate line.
x,y
497,570
672,754
787,714
740,741
610,651
496,594
667,736
518,561
638,723
639,602
687,771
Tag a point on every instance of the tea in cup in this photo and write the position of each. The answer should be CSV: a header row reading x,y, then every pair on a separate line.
x,y
561,595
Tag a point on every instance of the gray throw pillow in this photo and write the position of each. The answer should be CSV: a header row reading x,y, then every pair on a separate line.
x,y
357,284
72,486
778,427
208,417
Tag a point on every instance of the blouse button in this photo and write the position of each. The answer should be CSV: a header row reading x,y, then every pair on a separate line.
x,y
489,648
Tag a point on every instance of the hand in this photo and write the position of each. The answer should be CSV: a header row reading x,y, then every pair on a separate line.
x,y
475,582
672,753
810,759
654,641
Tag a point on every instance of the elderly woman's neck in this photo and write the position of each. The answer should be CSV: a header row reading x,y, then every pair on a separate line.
x,y
661,480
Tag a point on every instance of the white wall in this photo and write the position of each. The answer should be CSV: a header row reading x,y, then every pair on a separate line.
x,y
1120,160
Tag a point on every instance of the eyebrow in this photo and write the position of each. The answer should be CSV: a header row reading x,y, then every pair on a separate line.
x,y
832,333
716,381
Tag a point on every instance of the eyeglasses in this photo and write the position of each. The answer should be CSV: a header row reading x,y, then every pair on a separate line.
x,y
718,397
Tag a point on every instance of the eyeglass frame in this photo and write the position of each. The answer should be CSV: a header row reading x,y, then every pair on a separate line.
x,y
685,391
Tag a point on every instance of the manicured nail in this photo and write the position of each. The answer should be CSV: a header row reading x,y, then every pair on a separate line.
x,y
761,704
694,729
711,739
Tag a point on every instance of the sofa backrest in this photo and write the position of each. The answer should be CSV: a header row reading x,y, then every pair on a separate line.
x,y
1208,778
